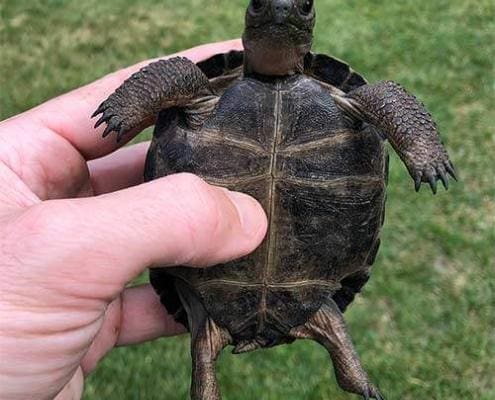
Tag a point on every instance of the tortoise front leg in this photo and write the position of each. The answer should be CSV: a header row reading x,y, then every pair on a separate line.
x,y
208,340
327,327
136,104
407,125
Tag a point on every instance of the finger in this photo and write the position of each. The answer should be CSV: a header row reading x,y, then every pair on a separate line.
x,y
70,115
119,170
74,389
135,317
106,338
144,318
177,220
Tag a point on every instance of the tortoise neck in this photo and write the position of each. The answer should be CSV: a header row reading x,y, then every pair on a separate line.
x,y
272,58
273,64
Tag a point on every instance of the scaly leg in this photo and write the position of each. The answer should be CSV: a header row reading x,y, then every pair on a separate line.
x,y
406,124
207,342
135,105
327,327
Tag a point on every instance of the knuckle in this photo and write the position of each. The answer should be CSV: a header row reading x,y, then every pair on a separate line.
x,y
209,210
48,217
205,209
195,193
186,181
36,219
32,233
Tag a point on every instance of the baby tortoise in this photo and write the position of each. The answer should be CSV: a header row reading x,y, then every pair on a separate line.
x,y
304,134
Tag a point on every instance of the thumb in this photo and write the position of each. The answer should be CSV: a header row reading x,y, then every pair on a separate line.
x,y
177,220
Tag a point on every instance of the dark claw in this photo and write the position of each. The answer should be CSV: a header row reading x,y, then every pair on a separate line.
x,y
432,181
112,125
417,182
109,129
433,185
375,394
101,120
443,178
120,135
451,170
121,131
100,110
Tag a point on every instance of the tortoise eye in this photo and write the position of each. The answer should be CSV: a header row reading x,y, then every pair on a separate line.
x,y
307,6
256,5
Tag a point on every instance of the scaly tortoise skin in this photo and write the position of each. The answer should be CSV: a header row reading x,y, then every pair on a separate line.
x,y
303,134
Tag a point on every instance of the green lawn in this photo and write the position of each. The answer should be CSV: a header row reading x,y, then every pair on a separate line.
x,y
425,324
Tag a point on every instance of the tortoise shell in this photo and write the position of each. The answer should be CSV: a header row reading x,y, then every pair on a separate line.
x,y
320,177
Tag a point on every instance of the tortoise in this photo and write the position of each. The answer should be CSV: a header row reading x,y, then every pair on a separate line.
x,y
304,134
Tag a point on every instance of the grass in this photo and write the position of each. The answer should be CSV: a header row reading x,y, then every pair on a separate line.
x,y
425,324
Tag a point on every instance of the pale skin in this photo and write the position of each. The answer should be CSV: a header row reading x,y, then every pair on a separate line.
x,y
77,225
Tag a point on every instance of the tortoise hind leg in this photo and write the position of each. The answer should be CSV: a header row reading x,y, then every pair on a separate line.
x,y
327,327
207,342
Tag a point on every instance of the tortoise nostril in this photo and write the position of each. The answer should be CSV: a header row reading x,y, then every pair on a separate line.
x,y
281,8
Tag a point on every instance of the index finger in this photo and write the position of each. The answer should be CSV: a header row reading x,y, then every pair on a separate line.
x,y
69,115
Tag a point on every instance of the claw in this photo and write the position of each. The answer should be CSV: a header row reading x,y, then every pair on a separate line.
x,y
101,120
121,131
110,127
113,125
120,136
432,181
443,178
379,396
375,394
451,170
100,110
433,185
417,182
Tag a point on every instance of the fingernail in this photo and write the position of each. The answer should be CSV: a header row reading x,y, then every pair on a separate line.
x,y
250,212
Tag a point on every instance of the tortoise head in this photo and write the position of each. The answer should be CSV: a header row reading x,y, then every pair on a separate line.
x,y
277,36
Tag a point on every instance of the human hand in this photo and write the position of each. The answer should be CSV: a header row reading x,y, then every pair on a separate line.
x,y
77,225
